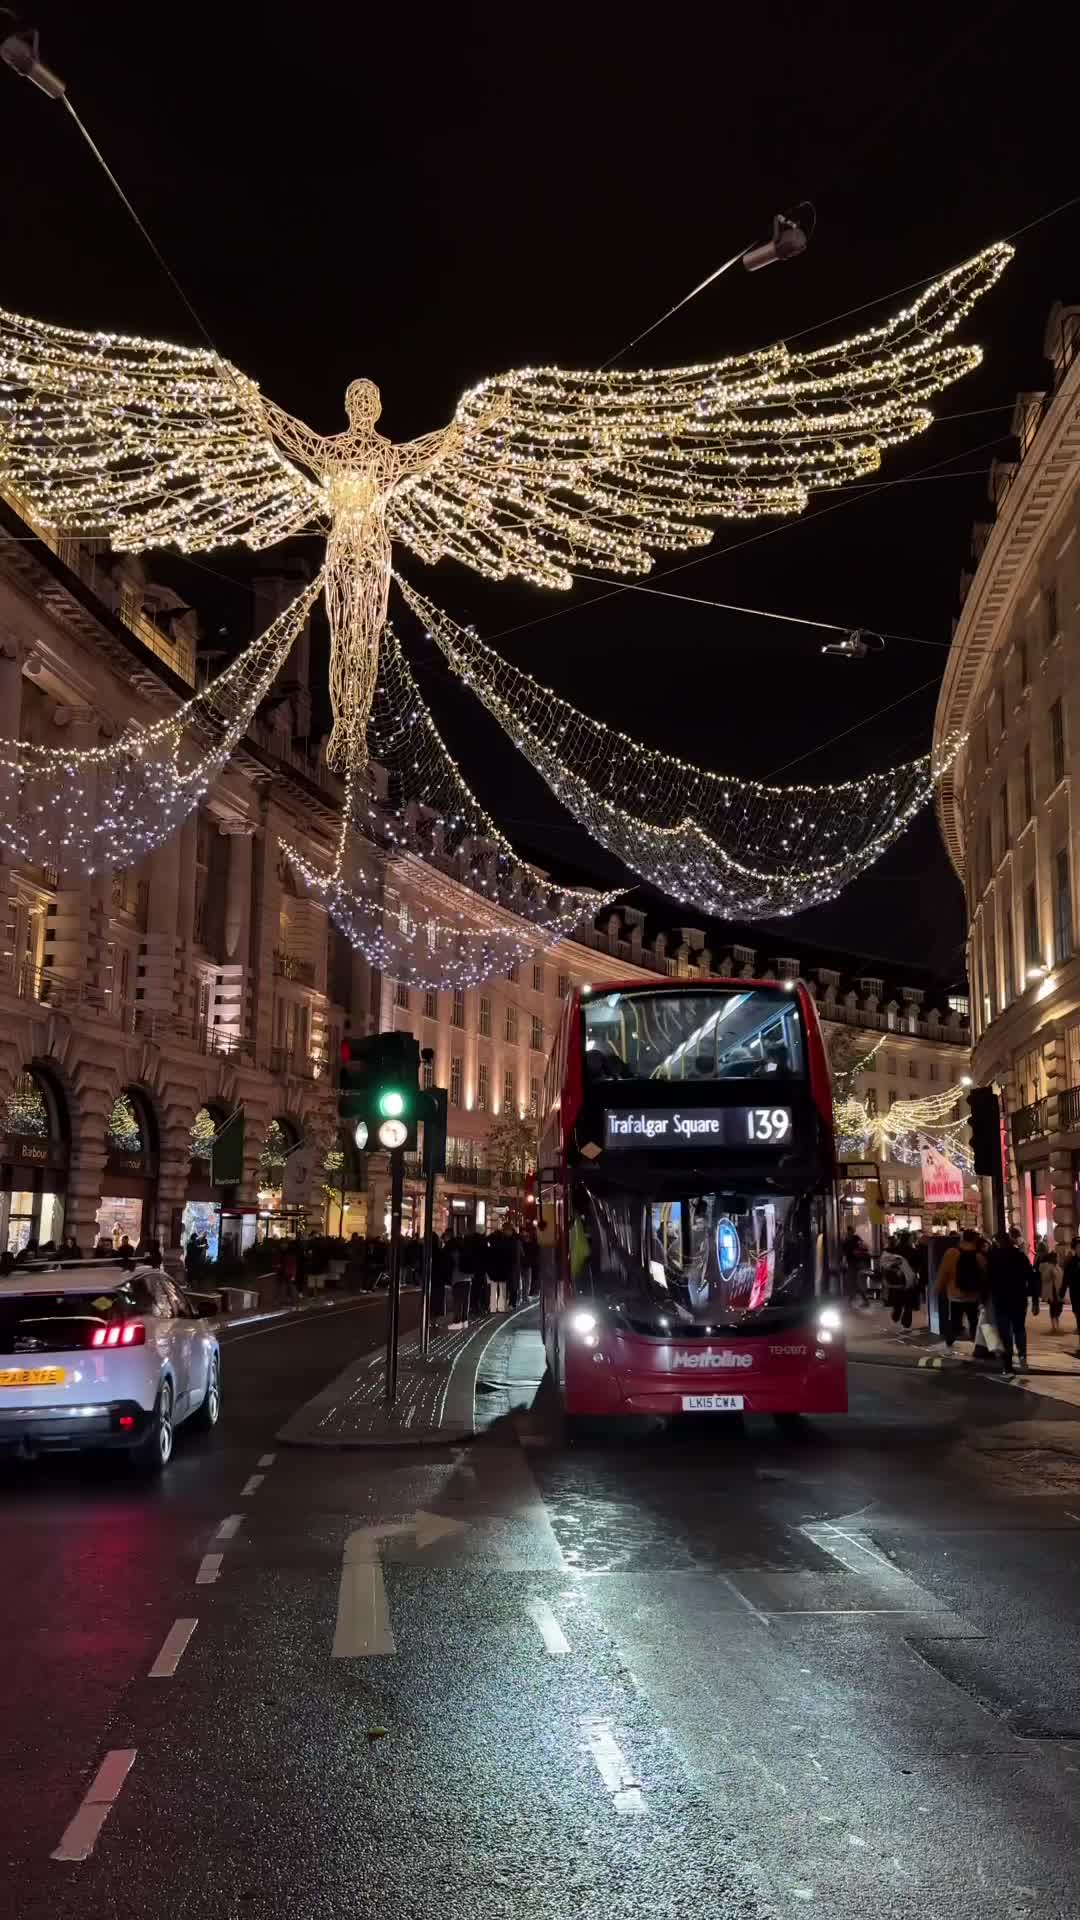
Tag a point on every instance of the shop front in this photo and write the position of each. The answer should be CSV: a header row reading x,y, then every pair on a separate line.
x,y
201,1214
33,1167
128,1207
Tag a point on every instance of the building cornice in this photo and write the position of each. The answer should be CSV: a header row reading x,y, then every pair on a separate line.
x,y
1041,483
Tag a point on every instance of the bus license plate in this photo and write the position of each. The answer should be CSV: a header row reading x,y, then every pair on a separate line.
x,y
712,1403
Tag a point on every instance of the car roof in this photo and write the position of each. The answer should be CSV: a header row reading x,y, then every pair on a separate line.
x,y
79,1277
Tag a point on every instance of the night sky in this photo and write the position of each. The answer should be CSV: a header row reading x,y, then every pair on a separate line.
x,y
429,205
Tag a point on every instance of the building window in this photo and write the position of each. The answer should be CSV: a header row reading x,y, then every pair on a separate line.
x,y
427,1075
1005,835
511,1030
483,1087
1057,742
988,851
1029,786
873,988
457,1008
536,1039
1050,612
513,971
1001,711
401,995
534,1099
871,1101
913,1068
564,985
485,1016
1072,1050
1062,907
1009,951
958,1002
1032,943
508,1090
931,1070
538,977
431,1006
455,1080
890,1063
1025,674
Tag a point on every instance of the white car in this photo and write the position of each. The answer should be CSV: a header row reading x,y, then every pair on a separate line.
x,y
93,1356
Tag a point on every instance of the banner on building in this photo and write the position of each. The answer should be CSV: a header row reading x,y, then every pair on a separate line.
x,y
227,1152
298,1174
943,1184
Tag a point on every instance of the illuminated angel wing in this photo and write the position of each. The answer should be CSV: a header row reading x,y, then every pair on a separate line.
x,y
145,443
555,471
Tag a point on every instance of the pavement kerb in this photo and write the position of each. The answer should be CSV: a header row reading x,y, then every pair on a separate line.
x,y
442,1436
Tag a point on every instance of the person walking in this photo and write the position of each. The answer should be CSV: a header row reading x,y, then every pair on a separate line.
x,y
960,1283
1012,1282
901,1284
1052,1286
855,1259
460,1288
1072,1279
498,1270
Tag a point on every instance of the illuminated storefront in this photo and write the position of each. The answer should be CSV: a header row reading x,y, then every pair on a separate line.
x,y
33,1175
129,1183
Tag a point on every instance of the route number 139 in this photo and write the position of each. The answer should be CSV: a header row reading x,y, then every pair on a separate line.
x,y
768,1123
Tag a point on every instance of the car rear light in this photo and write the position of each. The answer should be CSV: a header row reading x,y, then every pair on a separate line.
x,y
126,1421
131,1334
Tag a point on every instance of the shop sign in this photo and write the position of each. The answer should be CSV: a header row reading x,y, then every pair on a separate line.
x,y
943,1183
33,1152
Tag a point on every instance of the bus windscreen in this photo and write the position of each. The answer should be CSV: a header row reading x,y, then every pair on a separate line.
x,y
701,1260
693,1037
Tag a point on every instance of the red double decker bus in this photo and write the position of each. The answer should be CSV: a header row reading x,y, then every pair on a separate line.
x,y
687,1204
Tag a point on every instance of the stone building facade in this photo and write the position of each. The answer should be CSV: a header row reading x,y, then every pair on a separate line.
x,y
1012,688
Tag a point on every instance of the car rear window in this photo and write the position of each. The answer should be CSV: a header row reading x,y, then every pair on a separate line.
x,y
54,1321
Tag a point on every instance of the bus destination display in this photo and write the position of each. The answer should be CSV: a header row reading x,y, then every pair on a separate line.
x,y
700,1127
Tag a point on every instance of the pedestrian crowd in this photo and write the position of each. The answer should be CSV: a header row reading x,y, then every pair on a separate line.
x,y
984,1288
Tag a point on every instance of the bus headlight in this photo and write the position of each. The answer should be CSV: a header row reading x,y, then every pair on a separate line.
x,y
584,1323
829,1320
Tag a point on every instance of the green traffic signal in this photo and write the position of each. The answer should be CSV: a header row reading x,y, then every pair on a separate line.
x,y
391,1103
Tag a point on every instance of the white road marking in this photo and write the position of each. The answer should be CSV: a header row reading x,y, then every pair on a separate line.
x,y
209,1568
251,1485
290,1320
230,1527
267,1459
172,1649
611,1764
552,1634
100,1796
363,1617
744,1600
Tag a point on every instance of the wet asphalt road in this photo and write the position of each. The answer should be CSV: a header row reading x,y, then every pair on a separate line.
x,y
723,1671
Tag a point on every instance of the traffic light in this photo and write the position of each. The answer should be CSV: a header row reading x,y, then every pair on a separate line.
x,y
379,1096
985,1130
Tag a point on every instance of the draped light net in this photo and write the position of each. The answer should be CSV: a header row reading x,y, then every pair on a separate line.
x,y
81,810
540,472
898,1134
424,883
723,844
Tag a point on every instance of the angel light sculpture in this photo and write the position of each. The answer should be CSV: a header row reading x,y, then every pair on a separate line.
x,y
541,473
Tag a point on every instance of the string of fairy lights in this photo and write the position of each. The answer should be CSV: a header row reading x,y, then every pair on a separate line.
x,y
898,1134
90,808
720,843
423,881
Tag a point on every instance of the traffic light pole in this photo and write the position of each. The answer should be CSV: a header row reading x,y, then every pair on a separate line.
x,y
429,1240
397,1189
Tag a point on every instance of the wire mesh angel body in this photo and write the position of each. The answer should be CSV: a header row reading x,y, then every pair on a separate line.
x,y
542,473
359,471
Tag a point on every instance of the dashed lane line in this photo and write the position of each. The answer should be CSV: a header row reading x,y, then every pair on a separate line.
x,y
251,1485
612,1766
551,1633
80,1837
209,1568
267,1459
230,1526
172,1649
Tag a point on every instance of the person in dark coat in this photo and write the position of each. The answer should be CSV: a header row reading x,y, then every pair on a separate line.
x,y
474,1268
1012,1283
1071,1281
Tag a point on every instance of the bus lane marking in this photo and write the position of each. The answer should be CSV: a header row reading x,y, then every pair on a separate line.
x,y
551,1633
80,1836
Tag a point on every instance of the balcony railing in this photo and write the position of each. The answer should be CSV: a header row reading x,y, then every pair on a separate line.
x,y
302,1066
288,967
1069,1110
1029,1123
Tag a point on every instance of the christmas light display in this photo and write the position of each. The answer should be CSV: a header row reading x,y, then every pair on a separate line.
x,y
25,1111
717,842
124,1131
541,472
897,1134
423,881
81,810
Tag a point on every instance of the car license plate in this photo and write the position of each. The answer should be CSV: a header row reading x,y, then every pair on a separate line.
x,y
32,1376
712,1403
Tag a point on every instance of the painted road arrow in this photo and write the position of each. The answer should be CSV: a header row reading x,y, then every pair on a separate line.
x,y
363,1617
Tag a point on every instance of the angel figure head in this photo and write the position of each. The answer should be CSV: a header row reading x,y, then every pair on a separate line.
x,y
363,403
